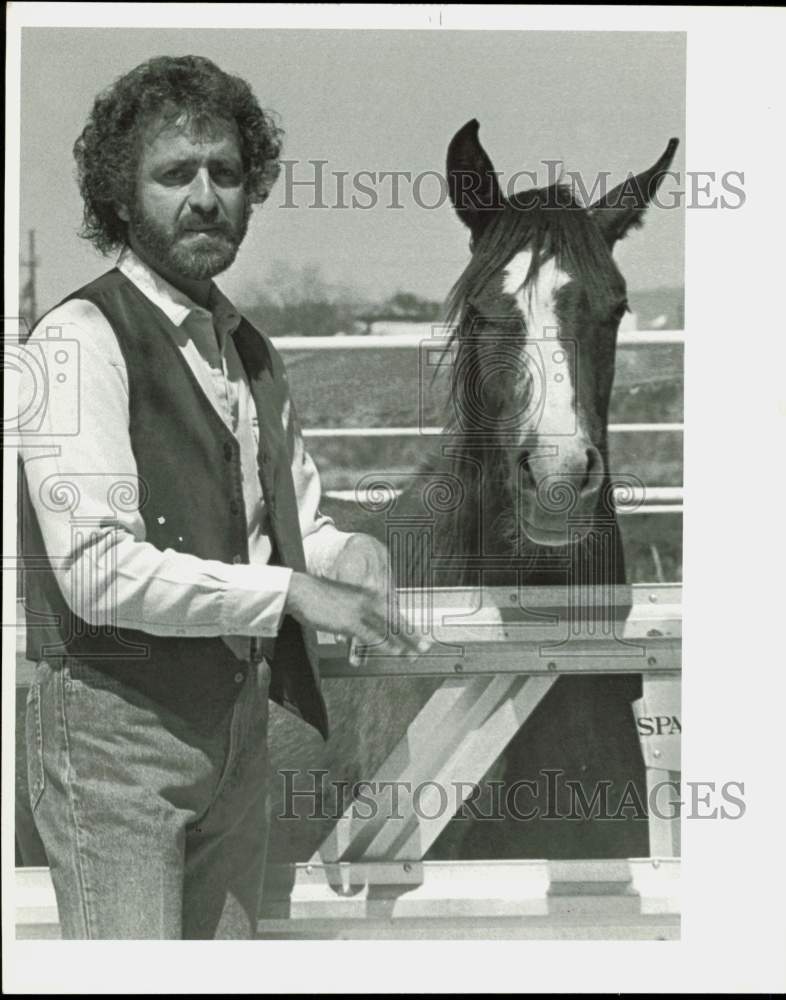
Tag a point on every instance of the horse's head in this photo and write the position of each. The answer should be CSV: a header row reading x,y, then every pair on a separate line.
x,y
538,308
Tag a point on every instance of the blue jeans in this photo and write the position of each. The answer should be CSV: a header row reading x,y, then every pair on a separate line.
x,y
151,830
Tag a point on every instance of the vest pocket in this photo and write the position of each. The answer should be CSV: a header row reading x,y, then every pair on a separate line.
x,y
35,746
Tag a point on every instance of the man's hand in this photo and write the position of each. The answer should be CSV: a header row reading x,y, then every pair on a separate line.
x,y
357,612
358,601
364,562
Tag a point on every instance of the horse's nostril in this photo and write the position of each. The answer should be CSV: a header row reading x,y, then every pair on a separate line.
x,y
593,471
523,467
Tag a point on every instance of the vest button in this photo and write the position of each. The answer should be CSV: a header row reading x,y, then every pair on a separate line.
x,y
234,507
237,559
228,452
239,677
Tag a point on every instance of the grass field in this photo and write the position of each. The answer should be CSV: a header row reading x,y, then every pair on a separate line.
x,y
398,387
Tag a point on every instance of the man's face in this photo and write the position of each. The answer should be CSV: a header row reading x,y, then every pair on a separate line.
x,y
190,211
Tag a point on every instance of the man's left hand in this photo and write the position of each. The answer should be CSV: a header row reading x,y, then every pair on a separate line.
x,y
363,562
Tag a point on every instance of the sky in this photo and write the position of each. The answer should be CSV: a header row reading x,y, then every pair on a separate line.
x,y
367,100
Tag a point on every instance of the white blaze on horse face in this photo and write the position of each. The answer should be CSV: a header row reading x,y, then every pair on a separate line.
x,y
554,412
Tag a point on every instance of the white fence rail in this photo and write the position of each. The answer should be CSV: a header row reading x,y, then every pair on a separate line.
x,y
629,338
639,500
487,900
394,432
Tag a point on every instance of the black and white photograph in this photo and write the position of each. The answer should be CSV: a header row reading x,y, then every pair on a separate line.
x,y
387,388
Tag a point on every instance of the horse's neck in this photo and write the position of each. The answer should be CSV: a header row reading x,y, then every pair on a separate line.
x,y
453,522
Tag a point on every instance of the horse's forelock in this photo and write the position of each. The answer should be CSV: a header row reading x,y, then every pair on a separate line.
x,y
548,222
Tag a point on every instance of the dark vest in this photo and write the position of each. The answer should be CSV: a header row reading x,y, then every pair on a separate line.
x,y
191,499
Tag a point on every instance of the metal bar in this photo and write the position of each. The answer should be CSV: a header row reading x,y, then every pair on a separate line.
x,y
646,428
631,338
526,630
482,658
479,658
548,898
468,927
637,599
511,881
393,432
635,497
656,508
532,631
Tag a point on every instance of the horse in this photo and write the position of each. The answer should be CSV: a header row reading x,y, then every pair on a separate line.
x,y
525,498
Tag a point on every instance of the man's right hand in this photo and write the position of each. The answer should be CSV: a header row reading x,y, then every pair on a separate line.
x,y
349,610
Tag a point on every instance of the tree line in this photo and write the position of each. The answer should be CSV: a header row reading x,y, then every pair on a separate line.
x,y
299,302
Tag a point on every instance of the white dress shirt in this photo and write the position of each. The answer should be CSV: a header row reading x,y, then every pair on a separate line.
x,y
79,442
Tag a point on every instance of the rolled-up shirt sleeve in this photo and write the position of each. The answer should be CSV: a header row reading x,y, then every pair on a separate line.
x,y
81,475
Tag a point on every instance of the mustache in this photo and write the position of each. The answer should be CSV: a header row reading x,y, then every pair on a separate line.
x,y
219,227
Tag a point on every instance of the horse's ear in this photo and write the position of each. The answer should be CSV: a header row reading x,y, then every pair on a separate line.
x,y
624,206
472,183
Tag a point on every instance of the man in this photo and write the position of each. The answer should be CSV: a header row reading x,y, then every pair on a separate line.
x,y
177,561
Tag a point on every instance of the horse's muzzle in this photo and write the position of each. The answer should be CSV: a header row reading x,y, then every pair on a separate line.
x,y
556,499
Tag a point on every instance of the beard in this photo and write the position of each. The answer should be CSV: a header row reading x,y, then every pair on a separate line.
x,y
193,255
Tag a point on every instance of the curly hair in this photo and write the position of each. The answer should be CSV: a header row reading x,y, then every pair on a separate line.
x,y
171,89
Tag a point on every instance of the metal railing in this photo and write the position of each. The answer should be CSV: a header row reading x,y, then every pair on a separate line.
x,y
628,338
